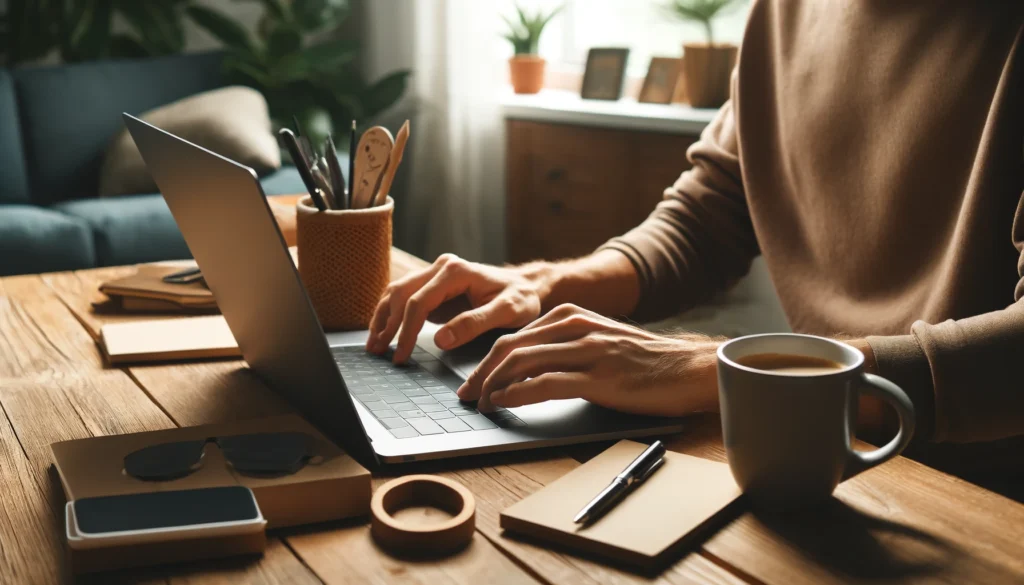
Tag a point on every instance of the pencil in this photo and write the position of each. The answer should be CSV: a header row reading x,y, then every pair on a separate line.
x,y
351,166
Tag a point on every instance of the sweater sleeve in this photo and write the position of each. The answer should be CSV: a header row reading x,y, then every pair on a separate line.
x,y
964,376
699,239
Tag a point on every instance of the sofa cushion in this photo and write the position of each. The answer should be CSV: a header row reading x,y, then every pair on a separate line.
x,y
14,185
233,122
69,114
130,229
34,239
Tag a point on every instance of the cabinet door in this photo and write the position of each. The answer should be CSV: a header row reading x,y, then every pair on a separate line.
x,y
571,188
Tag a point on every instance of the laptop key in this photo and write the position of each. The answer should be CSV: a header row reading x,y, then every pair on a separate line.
x,y
460,410
412,414
507,423
400,406
373,404
423,399
393,423
479,422
425,426
385,413
416,392
404,433
432,408
453,425
395,399
405,385
439,414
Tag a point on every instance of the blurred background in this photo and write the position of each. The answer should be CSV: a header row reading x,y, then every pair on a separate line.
x,y
540,128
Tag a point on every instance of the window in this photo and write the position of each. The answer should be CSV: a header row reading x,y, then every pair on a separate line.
x,y
644,26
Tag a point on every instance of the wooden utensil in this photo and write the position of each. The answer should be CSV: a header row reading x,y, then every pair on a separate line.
x,y
372,156
394,160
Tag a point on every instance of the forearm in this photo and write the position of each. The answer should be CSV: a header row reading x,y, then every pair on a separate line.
x,y
604,282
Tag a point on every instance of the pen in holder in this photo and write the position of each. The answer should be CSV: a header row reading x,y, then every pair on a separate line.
x,y
344,261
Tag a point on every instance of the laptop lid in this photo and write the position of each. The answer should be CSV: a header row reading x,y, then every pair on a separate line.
x,y
221,210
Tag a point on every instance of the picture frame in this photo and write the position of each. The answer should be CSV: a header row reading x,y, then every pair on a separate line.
x,y
605,74
662,80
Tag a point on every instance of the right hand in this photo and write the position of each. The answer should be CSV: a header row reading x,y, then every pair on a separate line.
x,y
498,296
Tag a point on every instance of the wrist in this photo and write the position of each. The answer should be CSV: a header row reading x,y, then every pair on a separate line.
x,y
604,282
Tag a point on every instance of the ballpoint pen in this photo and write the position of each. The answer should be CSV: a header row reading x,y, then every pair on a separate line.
x,y
639,470
337,177
351,164
288,137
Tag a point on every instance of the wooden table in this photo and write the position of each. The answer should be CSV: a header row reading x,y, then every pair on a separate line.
x,y
902,522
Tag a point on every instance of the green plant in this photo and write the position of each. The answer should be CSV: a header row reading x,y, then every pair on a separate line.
x,y
317,81
700,11
525,34
81,30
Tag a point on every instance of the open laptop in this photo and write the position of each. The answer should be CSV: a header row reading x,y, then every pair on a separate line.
x,y
375,410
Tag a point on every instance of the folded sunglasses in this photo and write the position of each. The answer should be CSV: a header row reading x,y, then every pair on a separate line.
x,y
264,454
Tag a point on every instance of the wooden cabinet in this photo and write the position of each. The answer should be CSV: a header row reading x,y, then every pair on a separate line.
x,y
571,188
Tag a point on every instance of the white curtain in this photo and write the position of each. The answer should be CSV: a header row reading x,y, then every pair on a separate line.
x,y
455,202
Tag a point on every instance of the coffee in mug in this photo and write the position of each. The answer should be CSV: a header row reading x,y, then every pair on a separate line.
x,y
788,405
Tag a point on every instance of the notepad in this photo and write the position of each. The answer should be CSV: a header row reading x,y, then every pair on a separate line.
x,y
168,340
671,511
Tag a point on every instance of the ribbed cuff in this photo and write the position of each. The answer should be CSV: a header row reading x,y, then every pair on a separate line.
x,y
901,360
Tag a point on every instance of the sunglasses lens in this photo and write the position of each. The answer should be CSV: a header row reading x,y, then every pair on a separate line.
x,y
164,461
266,453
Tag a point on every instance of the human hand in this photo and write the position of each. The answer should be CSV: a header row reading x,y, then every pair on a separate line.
x,y
498,296
575,353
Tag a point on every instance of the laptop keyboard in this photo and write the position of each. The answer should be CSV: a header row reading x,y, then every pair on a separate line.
x,y
416,398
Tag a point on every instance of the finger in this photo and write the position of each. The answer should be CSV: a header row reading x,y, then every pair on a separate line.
x,y
531,362
449,282
469,325
398,293
379,320
553,386
560,313
559,332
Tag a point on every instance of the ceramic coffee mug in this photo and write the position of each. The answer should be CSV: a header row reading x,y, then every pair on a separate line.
x,y
788,433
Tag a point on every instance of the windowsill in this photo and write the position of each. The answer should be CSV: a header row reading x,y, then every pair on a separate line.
x,y
566,107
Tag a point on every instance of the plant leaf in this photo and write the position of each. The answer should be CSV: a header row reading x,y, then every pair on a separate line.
x,y
126,47
159,25
283,40
90,39
224,29
384,93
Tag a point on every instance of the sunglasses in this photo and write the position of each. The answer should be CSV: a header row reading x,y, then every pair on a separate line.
x,y
263,454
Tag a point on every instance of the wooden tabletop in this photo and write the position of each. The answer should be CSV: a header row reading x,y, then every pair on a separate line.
x,y
899,523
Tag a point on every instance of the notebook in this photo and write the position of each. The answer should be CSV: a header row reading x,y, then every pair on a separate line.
x,y
168,340
146,291
673,510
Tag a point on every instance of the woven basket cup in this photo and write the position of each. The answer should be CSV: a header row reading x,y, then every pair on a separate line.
x,y
344,261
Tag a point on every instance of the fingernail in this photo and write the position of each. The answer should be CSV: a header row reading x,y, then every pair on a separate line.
x,y
498,398
444,338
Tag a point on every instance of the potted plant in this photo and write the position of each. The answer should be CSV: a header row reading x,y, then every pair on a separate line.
x,y
526,67
706,66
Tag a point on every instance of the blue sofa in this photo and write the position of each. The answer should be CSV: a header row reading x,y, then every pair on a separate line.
x,y
55,125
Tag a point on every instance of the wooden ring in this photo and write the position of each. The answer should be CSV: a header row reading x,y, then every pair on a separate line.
x,y
423,490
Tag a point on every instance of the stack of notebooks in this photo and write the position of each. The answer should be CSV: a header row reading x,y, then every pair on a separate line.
x,y
145,291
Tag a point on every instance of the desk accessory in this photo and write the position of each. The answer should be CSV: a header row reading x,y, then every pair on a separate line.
x,y
168,340
344,259
334,172
788,403
147,290
336,487
291,143
439,538
353,140
635,473
666,514
394,159
372,155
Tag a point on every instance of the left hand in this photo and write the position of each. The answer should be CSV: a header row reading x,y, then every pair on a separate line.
x,y
575,353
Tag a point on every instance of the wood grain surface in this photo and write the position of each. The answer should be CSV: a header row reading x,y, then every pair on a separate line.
x,y
900,523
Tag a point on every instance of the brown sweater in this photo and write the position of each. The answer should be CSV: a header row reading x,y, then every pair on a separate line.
x,y
873,153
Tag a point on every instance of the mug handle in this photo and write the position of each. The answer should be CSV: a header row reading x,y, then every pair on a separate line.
x,y
879,387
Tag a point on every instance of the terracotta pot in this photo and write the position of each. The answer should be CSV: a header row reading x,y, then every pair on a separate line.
x,y
527,73
706,71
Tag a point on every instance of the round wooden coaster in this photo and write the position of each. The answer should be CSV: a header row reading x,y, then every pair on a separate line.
x,y
422,490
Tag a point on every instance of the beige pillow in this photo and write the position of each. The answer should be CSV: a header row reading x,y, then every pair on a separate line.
x,y
231,121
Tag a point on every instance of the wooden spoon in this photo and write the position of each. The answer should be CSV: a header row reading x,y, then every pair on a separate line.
x,y
372,157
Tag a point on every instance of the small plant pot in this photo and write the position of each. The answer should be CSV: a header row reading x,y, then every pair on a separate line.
x,y
527,73
706,73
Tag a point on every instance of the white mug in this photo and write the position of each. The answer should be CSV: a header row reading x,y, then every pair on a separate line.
x,y
788,435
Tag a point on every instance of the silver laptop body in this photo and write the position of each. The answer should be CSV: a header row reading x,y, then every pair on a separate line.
x,y
223,214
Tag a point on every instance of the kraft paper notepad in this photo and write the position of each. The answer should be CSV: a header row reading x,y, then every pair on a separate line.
x,y
168,340
664,515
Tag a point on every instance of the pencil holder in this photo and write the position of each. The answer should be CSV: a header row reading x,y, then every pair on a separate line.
x,y
344,261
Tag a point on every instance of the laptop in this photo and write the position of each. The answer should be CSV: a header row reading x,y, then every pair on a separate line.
x,y
377,411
